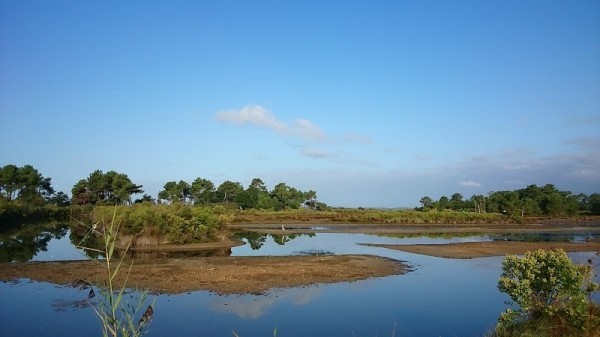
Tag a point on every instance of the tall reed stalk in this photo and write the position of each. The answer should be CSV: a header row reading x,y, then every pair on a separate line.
x,y
117,317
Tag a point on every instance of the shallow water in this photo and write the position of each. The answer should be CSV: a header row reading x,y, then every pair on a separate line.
x,y
440,297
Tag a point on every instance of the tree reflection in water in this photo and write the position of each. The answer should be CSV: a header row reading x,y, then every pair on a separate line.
x,y
257,240
21,243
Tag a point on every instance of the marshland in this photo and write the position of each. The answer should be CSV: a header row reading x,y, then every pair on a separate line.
x,y
223,261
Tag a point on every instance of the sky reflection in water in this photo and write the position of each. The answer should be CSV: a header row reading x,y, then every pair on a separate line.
x,y
441,297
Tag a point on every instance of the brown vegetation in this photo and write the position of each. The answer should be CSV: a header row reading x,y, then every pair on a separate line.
x,y
218,274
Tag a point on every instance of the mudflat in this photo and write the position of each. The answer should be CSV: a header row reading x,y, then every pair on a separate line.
x,y
224,275
470,250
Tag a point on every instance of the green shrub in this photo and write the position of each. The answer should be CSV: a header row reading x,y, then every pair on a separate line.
x,y
175,223
547,287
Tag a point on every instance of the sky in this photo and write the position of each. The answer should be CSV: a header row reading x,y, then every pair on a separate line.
x,y
369,103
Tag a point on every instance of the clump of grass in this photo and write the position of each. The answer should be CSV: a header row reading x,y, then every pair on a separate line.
x,y
117,317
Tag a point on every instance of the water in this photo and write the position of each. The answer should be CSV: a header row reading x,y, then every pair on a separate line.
x,y
440,297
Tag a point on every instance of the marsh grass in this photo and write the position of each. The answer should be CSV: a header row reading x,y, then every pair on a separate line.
x,y
118,316
369,216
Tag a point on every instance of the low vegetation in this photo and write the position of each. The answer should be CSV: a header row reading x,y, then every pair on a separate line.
x,y
175,224
375,216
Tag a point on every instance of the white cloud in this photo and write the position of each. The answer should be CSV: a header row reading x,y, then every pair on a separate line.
x,y
259,116
252,114
307,130
469,183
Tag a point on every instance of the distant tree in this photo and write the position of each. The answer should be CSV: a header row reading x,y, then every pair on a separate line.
x,y
478,202
10,182
427,203
25,185
287,197
456,202
251,196
582,202
258,184
59,199
505,202
265,201
175,192
81,194
594,203
146,198
442,204
310,199
227,191
202,191
105,188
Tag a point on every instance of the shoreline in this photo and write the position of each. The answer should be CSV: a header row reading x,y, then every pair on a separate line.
x,y
469,250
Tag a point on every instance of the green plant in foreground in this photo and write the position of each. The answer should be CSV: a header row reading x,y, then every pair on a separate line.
x,y
552,294
117,317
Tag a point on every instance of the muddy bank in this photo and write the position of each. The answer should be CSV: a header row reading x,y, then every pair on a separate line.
x,y
494,248
415,229
188,247
225,275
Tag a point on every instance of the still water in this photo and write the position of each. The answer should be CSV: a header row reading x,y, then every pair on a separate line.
x,y
440,297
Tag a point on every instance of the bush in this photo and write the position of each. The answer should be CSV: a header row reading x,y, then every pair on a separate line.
x,y
174,223
548,287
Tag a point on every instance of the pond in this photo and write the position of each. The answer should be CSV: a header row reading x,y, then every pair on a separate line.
x,y
440,297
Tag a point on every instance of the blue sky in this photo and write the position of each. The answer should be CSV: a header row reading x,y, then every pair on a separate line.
x,y
370,103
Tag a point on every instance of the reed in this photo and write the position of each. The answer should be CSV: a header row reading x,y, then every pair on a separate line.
x,y
118,317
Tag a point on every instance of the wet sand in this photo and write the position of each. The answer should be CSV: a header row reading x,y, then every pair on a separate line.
x,y
224,275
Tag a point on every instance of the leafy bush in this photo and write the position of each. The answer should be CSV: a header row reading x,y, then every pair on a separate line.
x,y
174,223
548,287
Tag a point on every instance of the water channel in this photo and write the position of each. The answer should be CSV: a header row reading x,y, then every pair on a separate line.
x,y
439,297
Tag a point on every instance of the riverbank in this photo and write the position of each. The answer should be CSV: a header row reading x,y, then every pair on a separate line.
x,y
470,250
223,275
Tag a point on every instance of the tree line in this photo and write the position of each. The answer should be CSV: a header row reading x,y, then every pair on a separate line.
x,y
26,186
533,200
255,196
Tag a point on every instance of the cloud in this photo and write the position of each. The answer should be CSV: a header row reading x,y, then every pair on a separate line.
x,y
307,130
259,116
255,306
469,183
252,114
